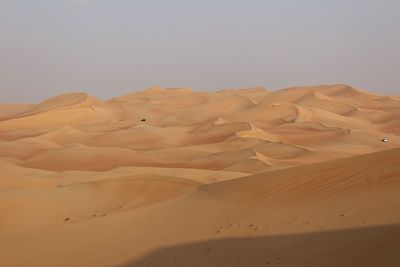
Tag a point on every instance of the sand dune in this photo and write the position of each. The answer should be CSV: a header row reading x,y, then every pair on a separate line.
x,y
12,110
67,110
305,176
299,209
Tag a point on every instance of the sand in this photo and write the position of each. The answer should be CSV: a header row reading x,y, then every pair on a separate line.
x,y
174,177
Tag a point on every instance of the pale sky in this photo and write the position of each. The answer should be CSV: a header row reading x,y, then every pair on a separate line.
x,y
113,47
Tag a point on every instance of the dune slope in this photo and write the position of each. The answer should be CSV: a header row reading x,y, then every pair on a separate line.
x,y
282,217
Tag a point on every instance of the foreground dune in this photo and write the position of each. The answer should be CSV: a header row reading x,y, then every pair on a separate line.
x,y
339,213
304,176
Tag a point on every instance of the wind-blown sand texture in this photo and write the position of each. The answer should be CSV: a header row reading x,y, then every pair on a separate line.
x,y
172,177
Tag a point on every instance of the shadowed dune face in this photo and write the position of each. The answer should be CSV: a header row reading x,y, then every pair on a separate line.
x,y
369,246
304,176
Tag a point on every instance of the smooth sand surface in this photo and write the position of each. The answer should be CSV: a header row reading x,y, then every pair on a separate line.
x,y
305,176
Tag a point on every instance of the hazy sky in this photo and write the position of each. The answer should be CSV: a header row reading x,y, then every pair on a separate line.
x,y
113,47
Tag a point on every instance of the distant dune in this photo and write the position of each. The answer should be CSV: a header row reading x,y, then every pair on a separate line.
x,y
305,176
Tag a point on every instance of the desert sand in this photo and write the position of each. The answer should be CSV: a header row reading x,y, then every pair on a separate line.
x,y
305,176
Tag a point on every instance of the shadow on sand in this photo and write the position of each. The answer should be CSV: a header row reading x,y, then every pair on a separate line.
x,y
364,247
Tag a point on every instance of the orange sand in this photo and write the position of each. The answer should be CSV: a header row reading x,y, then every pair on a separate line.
x,y
171,177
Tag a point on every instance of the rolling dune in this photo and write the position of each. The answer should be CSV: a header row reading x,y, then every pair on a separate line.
x,y
305,176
